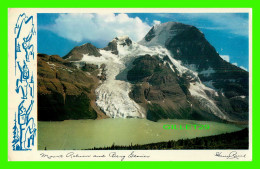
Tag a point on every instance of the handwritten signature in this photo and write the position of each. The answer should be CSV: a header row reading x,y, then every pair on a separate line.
x,y
231,155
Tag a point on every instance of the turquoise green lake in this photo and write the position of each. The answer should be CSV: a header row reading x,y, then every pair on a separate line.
x,y
84,134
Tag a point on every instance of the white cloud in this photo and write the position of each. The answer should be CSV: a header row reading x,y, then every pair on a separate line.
x,y
242,67
225,57
99,27
155,22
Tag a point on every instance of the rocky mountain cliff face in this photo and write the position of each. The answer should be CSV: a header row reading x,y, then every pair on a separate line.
x,y
173,72
64,91
158,89
77,53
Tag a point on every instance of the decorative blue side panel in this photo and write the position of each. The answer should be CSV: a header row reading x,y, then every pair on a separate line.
x,y
24,130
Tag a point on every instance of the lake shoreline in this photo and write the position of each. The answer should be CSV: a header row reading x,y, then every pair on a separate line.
x,y
233,140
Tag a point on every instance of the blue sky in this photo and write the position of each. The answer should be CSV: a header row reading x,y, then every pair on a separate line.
x,y
59,33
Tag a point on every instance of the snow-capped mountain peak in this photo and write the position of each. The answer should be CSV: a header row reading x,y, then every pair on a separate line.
x,y
161,33
122,40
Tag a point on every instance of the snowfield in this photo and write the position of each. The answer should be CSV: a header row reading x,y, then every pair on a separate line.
x,y
162,32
